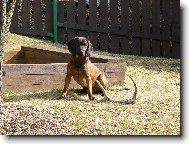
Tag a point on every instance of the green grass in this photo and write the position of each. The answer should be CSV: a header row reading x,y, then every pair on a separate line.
x,y
156,112
14,42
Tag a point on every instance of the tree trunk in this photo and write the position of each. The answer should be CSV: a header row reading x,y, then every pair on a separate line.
x,y
6,12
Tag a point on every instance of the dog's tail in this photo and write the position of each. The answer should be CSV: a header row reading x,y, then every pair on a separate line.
x,y
125,101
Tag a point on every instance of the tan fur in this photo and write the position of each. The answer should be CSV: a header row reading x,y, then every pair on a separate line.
x,y
86,76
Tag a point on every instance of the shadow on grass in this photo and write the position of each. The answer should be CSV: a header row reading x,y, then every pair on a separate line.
x,y
44,95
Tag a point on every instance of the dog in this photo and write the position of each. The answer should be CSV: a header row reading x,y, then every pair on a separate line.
x,y
82,70
87,74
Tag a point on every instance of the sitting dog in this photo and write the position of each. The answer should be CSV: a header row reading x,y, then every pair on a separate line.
x,y
82,70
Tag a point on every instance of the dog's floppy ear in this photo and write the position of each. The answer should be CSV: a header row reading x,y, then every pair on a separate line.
x,y
72,45
90,45
89,49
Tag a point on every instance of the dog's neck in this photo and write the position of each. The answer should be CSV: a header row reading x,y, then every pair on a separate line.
x,y
79,61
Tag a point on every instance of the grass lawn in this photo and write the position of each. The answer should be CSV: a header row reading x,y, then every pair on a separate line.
x,y
156,112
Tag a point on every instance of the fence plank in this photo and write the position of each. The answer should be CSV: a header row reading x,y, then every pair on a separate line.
x,y
125,46
176,29
135,16
93,22
38,16
176,50
61,30
104,42
83,34
125,16
71,19
93,13
125,26
146,51
114,16
114,26
156,49
93,39
82,12
48,16
25,16
176,20
146,18
136,45
82,17
156,17
166,19
71,34
14,20
71,13
104,25
166,28
135,27
104,14
115,44
166,49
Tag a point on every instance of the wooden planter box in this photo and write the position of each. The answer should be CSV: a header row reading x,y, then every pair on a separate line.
x,y
35,68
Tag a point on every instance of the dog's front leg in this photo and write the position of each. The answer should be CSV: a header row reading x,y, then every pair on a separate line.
x,y
67,81
66,85
89,86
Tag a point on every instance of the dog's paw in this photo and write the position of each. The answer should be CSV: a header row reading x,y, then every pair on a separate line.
x,y
92,98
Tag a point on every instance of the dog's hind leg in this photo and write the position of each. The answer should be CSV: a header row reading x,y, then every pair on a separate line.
x,y
89,86
103,81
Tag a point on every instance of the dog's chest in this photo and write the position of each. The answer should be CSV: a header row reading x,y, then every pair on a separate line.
x,y
80,76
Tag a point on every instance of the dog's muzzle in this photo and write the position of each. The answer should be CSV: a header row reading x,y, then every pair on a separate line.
x,y
86,51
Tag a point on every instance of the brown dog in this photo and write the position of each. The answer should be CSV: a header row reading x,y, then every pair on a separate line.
x,y
87,74
82,70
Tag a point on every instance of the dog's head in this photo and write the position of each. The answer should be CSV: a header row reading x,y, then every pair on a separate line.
x,y
80,46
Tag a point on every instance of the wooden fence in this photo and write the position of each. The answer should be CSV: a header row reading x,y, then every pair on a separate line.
x,y
133,27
